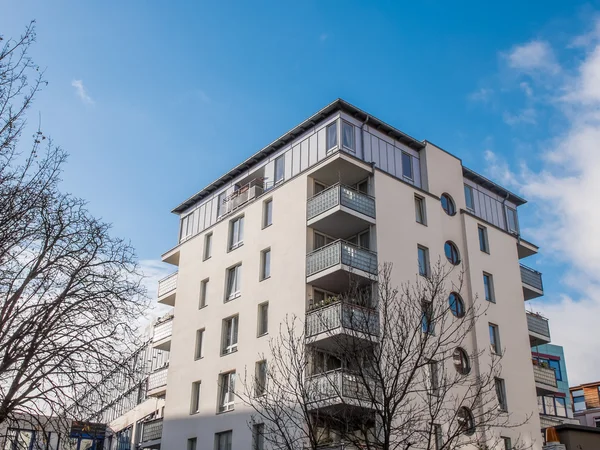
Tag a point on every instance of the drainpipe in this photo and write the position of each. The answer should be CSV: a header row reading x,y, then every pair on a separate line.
x,y
362,136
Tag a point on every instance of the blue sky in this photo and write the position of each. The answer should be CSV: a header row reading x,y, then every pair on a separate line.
x,y
155,100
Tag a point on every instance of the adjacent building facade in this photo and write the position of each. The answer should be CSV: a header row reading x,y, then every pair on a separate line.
x,y
586,403
341,192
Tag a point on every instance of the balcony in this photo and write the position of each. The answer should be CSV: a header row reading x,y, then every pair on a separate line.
x,y
338,389
525,249
329,267
340,320
539,330
163,329
532,283
151,433
545,380
340,211
553,421
157,382
167,288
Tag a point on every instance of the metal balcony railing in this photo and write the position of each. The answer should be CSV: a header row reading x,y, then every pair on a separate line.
x,y
158,378
538,324
163,330
340,195
544,375
341,252
531,277
167,284
152,430
339,383
342,315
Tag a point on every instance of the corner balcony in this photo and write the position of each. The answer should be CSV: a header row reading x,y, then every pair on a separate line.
x,y
545,380
539,330
163,330
339,389
340,211
532,283
167,288
330,267
151,434
326,325
157,382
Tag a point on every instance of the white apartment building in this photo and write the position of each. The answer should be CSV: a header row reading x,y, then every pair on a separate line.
x,y
342,191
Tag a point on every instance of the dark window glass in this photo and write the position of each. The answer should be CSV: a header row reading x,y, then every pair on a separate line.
x,y
451,253
457,305
448,204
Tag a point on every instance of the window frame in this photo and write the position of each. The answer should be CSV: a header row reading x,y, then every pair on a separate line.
x,y
258,436
471,195
434,377
488,288
195,397
267,213
207,250
353,135
332,125
262,327
233,223
203,293
495,344
484,244
226,335
279,160
507,442
410,177
464,368
191,443
458,312
265,264
236,285
450,209
229,439
454,257
420,210
427,269
226,392
500,386
509,225
260,378
199,344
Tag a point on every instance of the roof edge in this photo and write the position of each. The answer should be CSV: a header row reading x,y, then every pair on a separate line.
x,y
494,187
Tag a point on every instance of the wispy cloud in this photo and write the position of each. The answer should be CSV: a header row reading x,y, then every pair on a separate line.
x,y
525,116
201,95
323,37
81,92
482,95
532,56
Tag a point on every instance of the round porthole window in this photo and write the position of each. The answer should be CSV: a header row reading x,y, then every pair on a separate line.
x,y
461,361
457,306
448,204
451,253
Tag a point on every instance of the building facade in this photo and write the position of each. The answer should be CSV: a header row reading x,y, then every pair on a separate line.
x,y
586,403
341,192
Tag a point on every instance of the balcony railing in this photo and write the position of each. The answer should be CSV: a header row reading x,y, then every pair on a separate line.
x,y
531,277
544,375
152,430
341,252
167,284
340,195
163,329
538,324
158,378
339,383
342,315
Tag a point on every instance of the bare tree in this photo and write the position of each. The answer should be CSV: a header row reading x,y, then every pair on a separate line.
x,y
70,293
386,368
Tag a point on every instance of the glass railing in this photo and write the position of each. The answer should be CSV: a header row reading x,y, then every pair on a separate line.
x,y
167,284
152,430
163,330
342,315
158,378
538,324
339,383
341,252
531,277
340,195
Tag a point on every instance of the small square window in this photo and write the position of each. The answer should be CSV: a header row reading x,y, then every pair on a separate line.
x,y
203,293
236,233
263,319
495,339
199,348
230,335
348,137
423,258
483,239
265,264
234,282
407,169
260,381
195,406
488,287
267,213
331,136
420,210
207,246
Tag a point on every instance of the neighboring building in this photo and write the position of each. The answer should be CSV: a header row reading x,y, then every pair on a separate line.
x,y
586,403
555,408
342,191
577,437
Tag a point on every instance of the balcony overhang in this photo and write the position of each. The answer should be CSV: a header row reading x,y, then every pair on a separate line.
x,y
531,292
536,339
525,249
163,344
340,221
339,277
159,391
341,168
545,389
172,256
168,299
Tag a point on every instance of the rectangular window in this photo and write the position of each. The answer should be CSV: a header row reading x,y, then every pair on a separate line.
x,y
234,275
279,169
507,443
191,444
495,339
332,136
423,255
258,436
439,440
320,240
407,170
223,440
227,391
578,400
554,364
549,407
427,317
221,207
207,246
260,380
420,210
267,213
434,382
236,233
597,422
318,187
363,186
199,348
511,218
195,406
348,137
561,406
187,224
265,264
230,335
488,287
203,292
501,394
469,198
263,318
483,239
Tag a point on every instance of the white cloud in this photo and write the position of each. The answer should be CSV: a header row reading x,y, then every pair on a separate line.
x,y
532,56
564,193
154,271
526,88
525,116
481,95
82,92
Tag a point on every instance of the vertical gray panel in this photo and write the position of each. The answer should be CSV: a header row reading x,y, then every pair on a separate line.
x,y
321,137
312,159
201,214
312,151
367,153
383,155
295,160
208,206
303,157
398,162
270,173
313,145
375,150
391,159
288,164
416,163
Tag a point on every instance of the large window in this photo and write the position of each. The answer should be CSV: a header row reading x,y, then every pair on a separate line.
x,y
260,380
501,394
439,440
223,440
236,233
555,364
195,405
466,422
507,443
469,198
423,258
434,381
331,136
407,169
420,210
280,169
495,339
191,443
461,361
234,276
18,439
488,287
230,335
221,208
226,391
348,137
263,319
